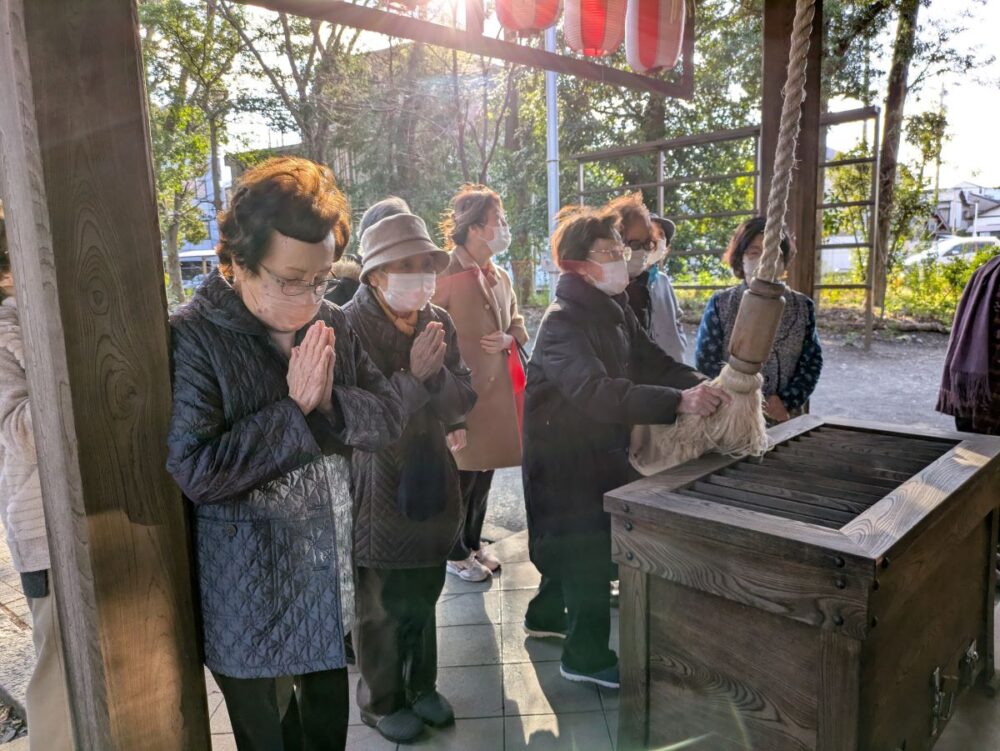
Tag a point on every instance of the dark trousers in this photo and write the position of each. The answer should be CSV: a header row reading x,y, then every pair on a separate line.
x,y
579,603
475,492
395,636
316,717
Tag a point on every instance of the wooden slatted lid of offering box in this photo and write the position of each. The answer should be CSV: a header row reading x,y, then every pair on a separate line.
x,y
837,594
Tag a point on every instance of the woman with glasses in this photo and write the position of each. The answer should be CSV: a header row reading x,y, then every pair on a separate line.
x,y
272,393
479,297
793,369
408,500
593,375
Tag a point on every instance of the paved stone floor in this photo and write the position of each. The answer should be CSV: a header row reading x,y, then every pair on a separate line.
x,y
506,689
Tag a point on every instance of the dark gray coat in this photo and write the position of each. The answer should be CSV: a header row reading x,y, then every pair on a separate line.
x,y
383,536
593,375
270,486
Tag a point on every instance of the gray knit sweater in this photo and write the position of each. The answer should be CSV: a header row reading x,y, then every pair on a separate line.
x,y
20,492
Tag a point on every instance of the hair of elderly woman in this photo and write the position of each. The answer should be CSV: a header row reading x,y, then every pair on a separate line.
x,y
296,197
390,206
628,207
745,234
470,207
577,229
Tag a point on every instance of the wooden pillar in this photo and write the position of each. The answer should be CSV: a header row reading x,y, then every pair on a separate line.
x,y
802,202
76,180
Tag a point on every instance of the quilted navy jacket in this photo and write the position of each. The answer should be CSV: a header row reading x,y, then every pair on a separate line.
x,y
270,486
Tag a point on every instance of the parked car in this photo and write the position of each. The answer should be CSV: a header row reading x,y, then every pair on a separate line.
x,y
949,248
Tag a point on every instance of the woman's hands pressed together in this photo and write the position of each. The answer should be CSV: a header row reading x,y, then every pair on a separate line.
x,y
310,370
702,400
428,351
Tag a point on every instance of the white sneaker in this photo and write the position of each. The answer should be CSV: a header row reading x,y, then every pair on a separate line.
x,y
469,570
485,557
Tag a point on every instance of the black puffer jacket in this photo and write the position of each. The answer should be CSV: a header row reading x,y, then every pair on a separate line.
x,y
593,374
383,536
270,486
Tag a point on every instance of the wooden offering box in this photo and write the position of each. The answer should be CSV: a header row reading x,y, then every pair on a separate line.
x,y
835,595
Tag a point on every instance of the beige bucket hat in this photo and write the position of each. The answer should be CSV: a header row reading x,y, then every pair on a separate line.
x,y
395,238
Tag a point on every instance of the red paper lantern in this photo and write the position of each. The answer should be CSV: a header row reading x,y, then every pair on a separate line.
x,y
594,27
527,16
654,33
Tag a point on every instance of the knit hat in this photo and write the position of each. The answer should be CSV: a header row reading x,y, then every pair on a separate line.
x,y
395,238
666,225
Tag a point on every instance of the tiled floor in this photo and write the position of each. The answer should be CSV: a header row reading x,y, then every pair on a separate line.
x,y
506,689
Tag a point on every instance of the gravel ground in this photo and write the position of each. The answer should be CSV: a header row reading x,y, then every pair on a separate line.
x,y
895,382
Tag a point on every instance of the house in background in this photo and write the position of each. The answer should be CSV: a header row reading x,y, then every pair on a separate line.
x,y
966,209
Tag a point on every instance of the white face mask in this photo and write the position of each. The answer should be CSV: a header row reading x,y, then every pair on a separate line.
x,y
658,254
750,268
637,263
405,293
500,241
615,278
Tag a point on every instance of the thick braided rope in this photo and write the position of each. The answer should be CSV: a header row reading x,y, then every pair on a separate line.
x,y
788,135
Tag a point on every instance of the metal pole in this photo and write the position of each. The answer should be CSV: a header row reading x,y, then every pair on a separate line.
x,y
552,152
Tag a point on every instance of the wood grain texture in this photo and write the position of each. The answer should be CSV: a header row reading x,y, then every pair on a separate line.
x,y
987,646
77,182
633,650
715,671
893,523
926,623
837,686
812,593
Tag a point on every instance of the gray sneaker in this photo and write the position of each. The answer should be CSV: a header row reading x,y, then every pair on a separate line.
x,y
402,726
469,570
435,710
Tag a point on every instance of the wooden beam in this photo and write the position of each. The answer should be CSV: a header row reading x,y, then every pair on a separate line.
x,y
407,27
801,218
76,179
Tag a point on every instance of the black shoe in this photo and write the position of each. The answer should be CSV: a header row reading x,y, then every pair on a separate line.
x,y
538,631
608,678
435,710
402,726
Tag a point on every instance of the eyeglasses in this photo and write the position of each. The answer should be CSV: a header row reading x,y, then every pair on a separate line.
x,y
622,253
637,245
297,287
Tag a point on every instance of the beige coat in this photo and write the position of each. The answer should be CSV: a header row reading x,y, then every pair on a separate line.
x,y
494,437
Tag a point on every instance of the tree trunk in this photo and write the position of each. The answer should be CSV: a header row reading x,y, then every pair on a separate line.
x,y
175,288
892,129
524,278
213,135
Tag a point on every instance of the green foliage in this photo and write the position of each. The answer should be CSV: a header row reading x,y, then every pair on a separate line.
x,y
932,289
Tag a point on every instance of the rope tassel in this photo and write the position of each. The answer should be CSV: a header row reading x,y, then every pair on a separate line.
x,y
739,429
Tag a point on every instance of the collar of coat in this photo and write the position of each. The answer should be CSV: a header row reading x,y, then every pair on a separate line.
x,y
218,302
573,288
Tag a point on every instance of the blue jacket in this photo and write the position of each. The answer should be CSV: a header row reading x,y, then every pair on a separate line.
x,y
270,486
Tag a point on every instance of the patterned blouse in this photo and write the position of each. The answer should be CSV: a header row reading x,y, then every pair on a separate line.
x,y
796,358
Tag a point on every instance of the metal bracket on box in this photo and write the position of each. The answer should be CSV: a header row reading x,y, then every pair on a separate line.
x,y
947,686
